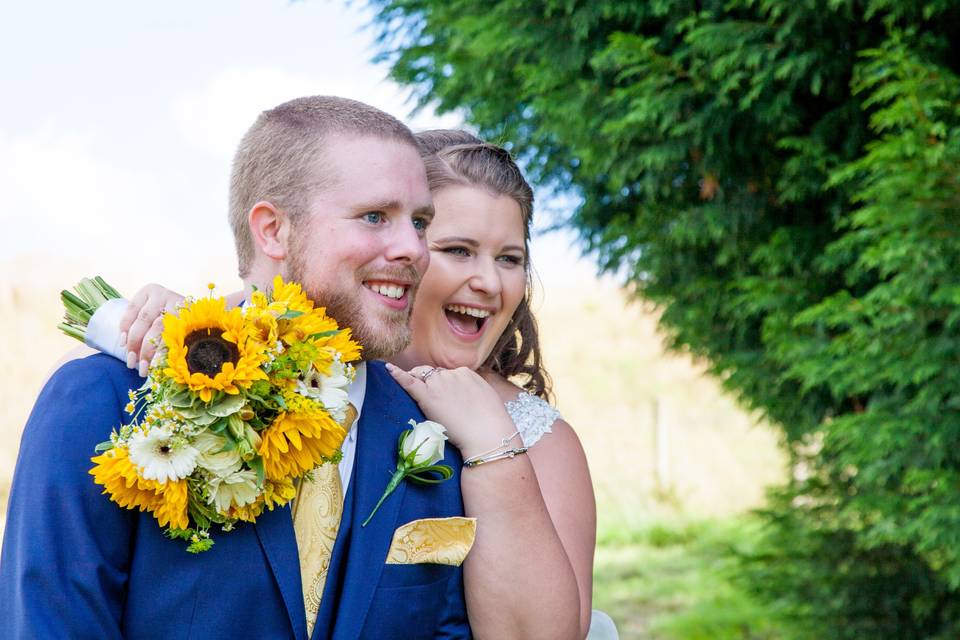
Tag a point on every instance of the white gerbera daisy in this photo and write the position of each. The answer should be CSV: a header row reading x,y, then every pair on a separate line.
x,y
160,455
329,390
237,489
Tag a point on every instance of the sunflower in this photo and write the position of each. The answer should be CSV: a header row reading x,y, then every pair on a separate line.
x,y
210,349
117,474
297,442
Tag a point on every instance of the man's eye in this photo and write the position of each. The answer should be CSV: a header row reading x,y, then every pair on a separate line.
x,y
373,217
420,224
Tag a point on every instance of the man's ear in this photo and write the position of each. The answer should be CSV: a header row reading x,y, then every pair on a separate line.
x,y
270,228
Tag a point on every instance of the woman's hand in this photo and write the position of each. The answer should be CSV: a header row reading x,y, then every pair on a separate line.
x,y
143,323
461,401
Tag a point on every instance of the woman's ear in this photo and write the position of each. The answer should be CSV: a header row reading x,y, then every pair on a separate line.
x,y
270,228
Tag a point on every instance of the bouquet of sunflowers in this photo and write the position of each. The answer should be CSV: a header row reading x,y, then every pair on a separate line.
x,y
239,405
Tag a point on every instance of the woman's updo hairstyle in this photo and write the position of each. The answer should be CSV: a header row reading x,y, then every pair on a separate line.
x,y
454,157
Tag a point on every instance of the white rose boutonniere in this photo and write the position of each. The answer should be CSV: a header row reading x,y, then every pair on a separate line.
x,y
419,449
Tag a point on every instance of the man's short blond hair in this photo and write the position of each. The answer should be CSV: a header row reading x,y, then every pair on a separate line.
x,y
281,158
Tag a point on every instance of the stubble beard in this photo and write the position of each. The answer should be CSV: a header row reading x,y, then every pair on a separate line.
x,y
379,342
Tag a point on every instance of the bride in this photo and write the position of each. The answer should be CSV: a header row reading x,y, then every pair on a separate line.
x,y
474,365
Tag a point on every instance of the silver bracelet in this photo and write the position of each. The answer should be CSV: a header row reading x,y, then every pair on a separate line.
x,y
476,461
497,453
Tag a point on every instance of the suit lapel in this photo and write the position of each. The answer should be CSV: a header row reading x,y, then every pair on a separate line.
x,y
380,425
275,532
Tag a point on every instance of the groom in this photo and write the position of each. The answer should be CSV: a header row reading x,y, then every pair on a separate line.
x,y
331,193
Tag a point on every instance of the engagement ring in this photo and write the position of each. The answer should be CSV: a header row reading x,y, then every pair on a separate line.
x,y
429,372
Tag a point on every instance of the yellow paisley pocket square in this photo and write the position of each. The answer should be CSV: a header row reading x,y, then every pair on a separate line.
x,y
433,540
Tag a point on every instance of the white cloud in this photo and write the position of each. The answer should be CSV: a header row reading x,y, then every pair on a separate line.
x,y
215,117
62,197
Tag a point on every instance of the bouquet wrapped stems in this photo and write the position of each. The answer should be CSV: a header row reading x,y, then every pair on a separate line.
x,y
80,307
92,315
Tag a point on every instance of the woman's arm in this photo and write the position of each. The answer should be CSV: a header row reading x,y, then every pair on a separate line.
x,y
564,481
521,581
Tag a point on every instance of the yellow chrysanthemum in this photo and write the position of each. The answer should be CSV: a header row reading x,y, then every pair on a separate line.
x,y
291,295
275,494
344,343
310,323
120,480
297,442
263,325
278,493
210,349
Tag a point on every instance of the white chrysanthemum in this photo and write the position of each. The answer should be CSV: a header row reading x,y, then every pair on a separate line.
x,y
160,455
214,457
237,489
329,390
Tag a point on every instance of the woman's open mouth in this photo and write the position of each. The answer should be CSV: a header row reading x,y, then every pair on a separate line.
x,y
466,321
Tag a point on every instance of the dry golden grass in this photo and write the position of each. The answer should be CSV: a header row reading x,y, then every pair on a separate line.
x,y
604,354
609,367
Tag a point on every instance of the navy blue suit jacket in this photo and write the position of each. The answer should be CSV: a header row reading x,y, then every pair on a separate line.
x,y
75,565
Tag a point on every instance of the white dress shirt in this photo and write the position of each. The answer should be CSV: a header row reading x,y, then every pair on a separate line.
x,y
356,392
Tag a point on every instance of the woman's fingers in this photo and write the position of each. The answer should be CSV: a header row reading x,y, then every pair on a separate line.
x,y
148,347
129,316
410,380
146,310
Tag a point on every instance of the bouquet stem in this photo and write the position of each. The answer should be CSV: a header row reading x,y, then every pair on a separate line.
x,y
91,294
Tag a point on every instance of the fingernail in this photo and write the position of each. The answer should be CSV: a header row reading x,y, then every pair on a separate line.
x,y
131,360
123,339
389,366
144,365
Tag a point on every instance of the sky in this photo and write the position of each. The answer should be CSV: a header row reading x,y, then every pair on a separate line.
x,y
119,120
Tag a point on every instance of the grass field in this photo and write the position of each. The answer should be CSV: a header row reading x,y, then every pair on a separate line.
x,y
658,545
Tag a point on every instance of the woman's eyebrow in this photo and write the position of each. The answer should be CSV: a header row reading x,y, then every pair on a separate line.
x,y
461,239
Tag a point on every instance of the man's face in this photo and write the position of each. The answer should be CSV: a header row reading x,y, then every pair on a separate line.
x,y
360,248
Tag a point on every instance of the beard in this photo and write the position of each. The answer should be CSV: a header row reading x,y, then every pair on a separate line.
x,y
380,339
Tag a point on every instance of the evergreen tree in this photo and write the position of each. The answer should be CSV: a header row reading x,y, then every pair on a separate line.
x,y
782,177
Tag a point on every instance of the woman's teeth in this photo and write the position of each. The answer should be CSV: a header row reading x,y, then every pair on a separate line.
x,y
387,290
468,311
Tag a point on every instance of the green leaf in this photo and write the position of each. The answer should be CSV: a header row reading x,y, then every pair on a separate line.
x,y
256,464
182,399
323,334
229,405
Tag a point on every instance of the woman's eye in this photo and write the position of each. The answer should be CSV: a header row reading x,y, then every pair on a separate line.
x,y
457,251
511,259
373,217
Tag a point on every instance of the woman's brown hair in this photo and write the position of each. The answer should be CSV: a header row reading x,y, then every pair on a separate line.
x,y
454,157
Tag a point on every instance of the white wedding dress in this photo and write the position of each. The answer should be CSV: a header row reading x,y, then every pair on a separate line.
x,y
534,417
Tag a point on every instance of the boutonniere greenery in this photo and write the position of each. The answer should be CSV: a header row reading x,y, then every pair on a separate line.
x,y
419,449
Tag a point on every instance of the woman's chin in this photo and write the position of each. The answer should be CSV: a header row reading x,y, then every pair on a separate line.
x,y
457,360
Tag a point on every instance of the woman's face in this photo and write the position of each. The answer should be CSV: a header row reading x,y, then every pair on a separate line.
x,y
475,281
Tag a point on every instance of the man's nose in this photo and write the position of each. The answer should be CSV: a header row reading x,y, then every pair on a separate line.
x,y
407,243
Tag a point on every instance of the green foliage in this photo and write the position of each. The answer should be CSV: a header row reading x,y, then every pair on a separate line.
x,y
782,177
673,580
